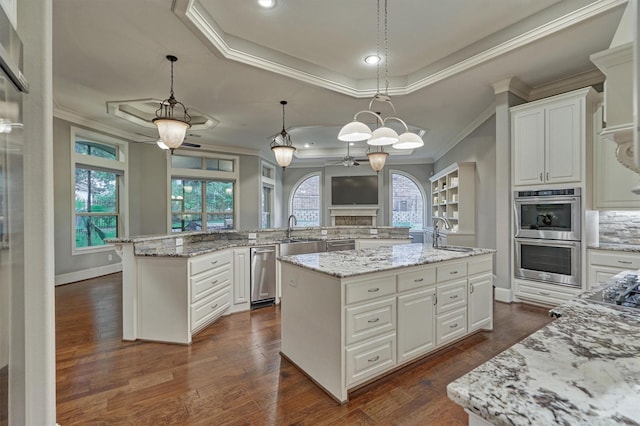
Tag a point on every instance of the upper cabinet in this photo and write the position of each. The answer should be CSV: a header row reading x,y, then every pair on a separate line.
x,y
549,138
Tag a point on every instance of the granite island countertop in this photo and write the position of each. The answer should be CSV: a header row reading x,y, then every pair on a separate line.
x,y
348,263
582,369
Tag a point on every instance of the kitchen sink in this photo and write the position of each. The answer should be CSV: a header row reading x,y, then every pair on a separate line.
x,y
456,248
291,246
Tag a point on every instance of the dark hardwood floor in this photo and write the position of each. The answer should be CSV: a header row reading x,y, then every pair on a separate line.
x,y
232,374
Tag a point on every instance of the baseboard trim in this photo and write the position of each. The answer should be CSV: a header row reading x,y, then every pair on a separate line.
x,y
503,295
86,274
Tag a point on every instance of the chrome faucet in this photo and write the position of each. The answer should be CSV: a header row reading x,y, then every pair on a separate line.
x,y
295,222
436,231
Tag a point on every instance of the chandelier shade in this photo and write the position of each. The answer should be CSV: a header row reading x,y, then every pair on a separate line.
x,y
172,130
408,140
377,160
354,132
383,136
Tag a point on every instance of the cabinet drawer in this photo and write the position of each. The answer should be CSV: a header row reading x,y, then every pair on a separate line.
x,y
369,359
451,272
209,261
539,292
209,308
371,289
614,259
451,326
370,320
480,265
451,296
209,283
417,279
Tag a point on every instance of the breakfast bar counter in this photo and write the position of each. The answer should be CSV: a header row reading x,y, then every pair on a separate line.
x,y
582,369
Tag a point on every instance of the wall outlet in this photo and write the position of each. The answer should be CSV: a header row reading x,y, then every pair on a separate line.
x,y
110,257
373,231
179,241
323,232
252,235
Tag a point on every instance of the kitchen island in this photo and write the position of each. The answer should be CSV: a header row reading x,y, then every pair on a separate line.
x,y
350,317
584,368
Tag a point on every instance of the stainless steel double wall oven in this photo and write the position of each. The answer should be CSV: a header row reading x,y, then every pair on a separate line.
x,y
547,236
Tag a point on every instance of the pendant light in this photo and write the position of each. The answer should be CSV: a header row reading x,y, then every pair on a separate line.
x,y
171,130
382,135
377,159
281,144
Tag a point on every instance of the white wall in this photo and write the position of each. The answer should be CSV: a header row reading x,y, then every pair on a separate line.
x,y
479,147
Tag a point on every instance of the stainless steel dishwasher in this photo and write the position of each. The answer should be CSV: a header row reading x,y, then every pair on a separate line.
x,y
263,276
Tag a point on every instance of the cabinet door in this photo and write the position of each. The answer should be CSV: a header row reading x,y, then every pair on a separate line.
x,y
480,302
612,181
599,275
416,324
528,147
564,136
241,276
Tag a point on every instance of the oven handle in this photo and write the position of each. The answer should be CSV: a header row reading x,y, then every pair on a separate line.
x,y
546,200
549,243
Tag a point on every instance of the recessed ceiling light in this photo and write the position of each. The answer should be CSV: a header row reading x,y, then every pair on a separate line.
x,y
372,59
267,4
306,145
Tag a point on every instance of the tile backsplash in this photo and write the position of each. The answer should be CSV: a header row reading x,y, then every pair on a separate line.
x,y
619,227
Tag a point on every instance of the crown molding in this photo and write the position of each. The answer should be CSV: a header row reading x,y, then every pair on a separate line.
x,y
79,120
194,15
578,81
612,57
512,84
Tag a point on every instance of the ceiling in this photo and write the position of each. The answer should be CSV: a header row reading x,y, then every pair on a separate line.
x,y
236,61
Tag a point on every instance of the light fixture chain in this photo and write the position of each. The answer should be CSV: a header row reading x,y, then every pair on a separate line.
x,y
386,52
378,49
171,78
283,116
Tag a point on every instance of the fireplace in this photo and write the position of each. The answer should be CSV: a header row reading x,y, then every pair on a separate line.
x,y
354,215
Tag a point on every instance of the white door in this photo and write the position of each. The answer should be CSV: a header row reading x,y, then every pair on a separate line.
x,y
528,147
564,142
416,324
480,302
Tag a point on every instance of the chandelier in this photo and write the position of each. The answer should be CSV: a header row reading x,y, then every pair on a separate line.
x,y
281,144
382,135
171,130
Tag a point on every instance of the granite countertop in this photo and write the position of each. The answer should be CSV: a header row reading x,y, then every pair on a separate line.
x,y
348,263
195,249
584,368
616,247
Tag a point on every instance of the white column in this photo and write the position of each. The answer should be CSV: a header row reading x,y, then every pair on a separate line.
x,y
35,29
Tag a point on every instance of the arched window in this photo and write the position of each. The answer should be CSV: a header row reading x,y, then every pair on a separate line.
x,y
305,201
407,200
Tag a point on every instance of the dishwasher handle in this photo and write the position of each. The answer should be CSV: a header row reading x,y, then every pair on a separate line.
x,y
254,251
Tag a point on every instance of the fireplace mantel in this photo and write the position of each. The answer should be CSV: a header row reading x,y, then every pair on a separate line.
x,y
346,215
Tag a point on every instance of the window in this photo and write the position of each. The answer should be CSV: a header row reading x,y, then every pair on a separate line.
x,y
268,195
407,201
305,201
203,192
98,180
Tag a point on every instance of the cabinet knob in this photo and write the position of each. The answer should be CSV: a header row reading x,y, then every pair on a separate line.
x,y
214,281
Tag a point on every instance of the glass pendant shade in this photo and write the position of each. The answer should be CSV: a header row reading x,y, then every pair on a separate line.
x,y
161,144
171,131
354,132
408,140
383,136
377,160
284,154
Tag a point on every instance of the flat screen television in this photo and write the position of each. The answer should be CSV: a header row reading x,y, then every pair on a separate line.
x,y
354,190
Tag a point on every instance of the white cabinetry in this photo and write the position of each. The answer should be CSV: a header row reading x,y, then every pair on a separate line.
x,y
549,137
241,280
346,332
453,198
605,264
210,288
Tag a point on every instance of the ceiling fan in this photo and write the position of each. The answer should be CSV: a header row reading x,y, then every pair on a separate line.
x,y
185,144
349,160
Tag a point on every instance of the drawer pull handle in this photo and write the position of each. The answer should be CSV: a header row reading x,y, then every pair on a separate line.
x,y
453,272
625,262
435,299
214,281
214,262
547,175
419,280
374,359
544,293
471,288
374,320
373,290
540,176
214,306
453,325
455,296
